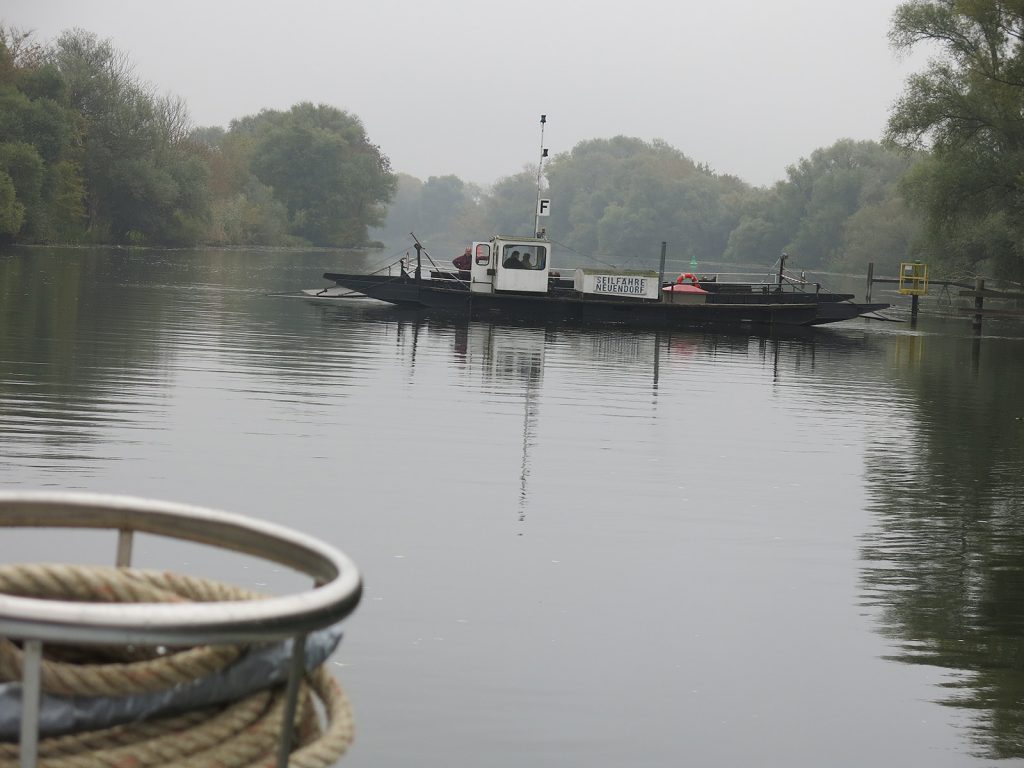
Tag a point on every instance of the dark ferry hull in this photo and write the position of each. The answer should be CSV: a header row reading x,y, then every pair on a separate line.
x,y
457,298
837,311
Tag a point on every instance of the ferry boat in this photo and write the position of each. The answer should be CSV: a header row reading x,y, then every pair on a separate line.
x,y
514,278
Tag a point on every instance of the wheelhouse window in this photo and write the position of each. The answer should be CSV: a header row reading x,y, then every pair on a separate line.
x,y
483,254
524,257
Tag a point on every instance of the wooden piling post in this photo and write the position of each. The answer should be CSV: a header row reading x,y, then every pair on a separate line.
x,y
979,302
661,265
871,276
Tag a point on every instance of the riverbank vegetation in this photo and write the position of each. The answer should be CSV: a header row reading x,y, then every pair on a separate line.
x,y
966,109
88,154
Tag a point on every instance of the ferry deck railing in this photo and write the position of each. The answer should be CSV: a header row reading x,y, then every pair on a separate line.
x,y
336,592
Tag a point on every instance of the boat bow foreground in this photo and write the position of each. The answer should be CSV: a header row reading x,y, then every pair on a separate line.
x,y
512,277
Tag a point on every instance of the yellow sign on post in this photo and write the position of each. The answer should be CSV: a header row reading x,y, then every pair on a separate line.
x,y
913,278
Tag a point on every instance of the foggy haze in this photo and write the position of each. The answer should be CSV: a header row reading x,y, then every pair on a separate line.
x,y
458,87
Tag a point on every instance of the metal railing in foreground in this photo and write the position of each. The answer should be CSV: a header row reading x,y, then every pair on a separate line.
x,y
335,594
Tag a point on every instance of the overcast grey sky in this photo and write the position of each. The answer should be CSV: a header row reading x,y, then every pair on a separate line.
x,y
458,86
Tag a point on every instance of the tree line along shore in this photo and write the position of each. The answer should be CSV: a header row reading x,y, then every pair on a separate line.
x,y
91,155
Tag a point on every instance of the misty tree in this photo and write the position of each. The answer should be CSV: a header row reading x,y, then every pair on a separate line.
x,y
830,187
765,226
510,208
884,233
243,210
144,181
249,216
211,136
320,163
12,210
441,200
445,212
830,211
41,189
967,107
621,197
403,213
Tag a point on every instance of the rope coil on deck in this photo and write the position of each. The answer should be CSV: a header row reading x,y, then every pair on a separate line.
x,y
245,732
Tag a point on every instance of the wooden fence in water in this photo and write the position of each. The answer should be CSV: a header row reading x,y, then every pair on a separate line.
x,y
977,291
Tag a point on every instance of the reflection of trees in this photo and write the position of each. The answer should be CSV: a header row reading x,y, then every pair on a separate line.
x,y
945,561
88,334
61,382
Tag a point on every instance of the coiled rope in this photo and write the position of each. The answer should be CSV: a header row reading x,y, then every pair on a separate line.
x,y
243,733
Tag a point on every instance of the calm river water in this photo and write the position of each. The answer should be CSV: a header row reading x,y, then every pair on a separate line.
x,y
581,547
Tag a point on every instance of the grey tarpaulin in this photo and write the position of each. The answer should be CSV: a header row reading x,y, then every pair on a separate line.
x,y
261,667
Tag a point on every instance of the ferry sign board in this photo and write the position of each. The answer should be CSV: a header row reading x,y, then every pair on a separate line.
x,y
626,284
633,283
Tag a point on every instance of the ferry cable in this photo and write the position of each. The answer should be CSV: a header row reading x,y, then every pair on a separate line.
x,y
584,255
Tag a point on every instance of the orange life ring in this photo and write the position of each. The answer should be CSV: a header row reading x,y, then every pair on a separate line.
x,y
690,275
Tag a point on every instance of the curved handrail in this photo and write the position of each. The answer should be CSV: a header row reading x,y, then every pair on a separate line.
x,y
336,594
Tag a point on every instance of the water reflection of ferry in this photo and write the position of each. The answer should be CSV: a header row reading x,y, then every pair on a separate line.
x,y
499,353
519,352
475,341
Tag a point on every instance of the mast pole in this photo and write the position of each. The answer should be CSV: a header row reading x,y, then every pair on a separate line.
x,y
419,258
540,171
